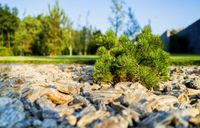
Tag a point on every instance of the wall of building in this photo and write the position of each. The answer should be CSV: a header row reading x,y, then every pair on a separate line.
x,y
165,37
192,33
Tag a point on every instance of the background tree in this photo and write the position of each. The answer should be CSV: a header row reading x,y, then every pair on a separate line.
x,y
53,33
40,44
70,34
86,34
51,38
26,35
117,19
174,31
56,22
132,26
8,24
93,44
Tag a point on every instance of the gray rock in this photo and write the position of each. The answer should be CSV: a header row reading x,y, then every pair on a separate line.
x,y
152,120
4,101
65,126
37,123
10,93
50,114
164,119
23,124
89,70
193,84
31,108
18,105
10,116
166,89
197,72
49,123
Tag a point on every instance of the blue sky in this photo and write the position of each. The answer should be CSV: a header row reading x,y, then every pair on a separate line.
x,y
164,14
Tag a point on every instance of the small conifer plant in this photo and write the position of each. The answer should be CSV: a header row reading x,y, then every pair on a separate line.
x,y
142,60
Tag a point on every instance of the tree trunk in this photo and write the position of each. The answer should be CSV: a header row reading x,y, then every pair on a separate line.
x,y
1,39
80,52
8,40
70,50
116,31
85,51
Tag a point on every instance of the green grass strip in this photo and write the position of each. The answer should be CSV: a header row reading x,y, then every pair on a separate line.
x,y
89,59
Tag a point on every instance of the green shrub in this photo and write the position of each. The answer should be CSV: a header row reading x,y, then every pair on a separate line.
x,y
5,51
142,60
102,69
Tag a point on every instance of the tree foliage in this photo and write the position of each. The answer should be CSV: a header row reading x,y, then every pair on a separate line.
x,y
26,35
132,25
116,20
53,33
93,43
122,60
5,51
8,24
45,34
53,28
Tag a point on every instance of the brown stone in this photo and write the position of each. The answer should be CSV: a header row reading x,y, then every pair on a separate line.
x,y
71,119
6,69
195,120
183,98
19,81
57,97
68,88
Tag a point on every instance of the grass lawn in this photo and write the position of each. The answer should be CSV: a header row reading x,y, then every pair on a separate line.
x,y
175,59
49,59
185,59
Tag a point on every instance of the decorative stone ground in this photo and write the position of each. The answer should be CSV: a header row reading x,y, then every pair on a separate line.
x,y
64,96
